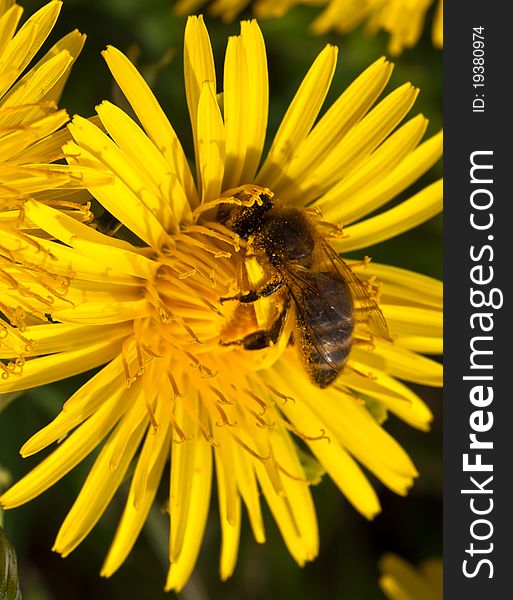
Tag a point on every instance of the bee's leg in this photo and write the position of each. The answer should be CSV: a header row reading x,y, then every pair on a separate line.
x,y
264,338
254,295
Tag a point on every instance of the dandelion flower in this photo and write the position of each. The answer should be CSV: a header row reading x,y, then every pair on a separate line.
x,y
32,134
402,19
31,126
150,310
402,581
228,10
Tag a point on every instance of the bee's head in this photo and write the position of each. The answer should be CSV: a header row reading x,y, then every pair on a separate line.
x,y
248,220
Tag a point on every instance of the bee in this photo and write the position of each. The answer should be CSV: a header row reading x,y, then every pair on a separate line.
x,y
312,280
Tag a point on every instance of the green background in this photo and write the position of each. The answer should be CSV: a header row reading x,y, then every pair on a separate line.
x,y
350,546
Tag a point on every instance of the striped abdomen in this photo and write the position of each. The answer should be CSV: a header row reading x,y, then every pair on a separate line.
x,y
325,325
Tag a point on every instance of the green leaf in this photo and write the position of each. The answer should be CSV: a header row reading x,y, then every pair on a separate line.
x,y
9,586
312,469
376,408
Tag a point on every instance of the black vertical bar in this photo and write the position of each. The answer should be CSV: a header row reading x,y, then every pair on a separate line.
x,y
478,511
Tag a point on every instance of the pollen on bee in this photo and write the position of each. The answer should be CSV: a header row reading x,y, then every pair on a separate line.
x,y
362,263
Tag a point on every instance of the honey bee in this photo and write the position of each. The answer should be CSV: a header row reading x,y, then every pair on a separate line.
x,y
324,293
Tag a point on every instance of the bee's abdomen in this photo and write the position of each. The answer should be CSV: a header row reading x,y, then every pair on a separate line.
x,y
325,323
326,352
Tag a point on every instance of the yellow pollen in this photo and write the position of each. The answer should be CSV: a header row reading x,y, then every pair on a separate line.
x,y
253,453
307,438
262,423
289,475
182,438
265,406
279,394
224,417
176,392
222,398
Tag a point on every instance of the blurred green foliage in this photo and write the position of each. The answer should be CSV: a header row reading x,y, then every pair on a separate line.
x,y
350,546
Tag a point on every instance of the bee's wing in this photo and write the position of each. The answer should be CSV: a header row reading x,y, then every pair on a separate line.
x,y
315,294
364,306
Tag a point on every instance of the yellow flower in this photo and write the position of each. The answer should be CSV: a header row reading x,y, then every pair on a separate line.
x,y
402,19
32,135
228,10
173,389
31,131
402,581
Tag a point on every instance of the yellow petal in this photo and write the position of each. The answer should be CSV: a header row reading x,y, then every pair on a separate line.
x,y
186,7
257,100
300,116
293,510
423,345
246,482
17,141
64,260
400,363
152,117
412,320
8,24
71,43
198,68
438,26
103,480
339,203
122,256
401,581
338,207
191,461
235,95
333,457
45,369
246,98
55,337
106,387
173,206
211,144
412,212
104,312
229,506
410,407
357,431
350,152
74,449
154,454
116,197
341,16
342,115
92,139
34,88
25,44
403,286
